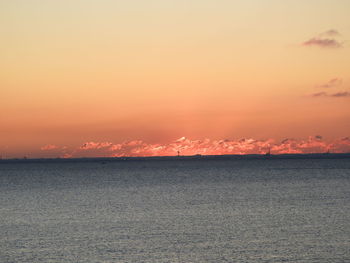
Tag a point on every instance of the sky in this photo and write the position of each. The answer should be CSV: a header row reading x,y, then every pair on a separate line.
x,y
137,78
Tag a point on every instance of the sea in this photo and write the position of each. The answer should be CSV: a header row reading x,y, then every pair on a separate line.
x,y
175,210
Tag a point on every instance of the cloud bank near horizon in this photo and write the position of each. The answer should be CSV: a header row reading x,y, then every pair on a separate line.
x,y
185,146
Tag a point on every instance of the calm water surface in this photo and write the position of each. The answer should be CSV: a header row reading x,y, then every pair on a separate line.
x,y
176,211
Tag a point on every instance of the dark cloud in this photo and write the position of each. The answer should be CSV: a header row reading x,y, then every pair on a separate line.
x,y
331,84
326,39
318,137
331,95
323,42
341,94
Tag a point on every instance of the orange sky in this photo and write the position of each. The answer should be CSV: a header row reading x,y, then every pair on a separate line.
x,y
73,72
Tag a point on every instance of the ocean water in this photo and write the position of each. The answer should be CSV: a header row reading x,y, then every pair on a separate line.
x,y
175,211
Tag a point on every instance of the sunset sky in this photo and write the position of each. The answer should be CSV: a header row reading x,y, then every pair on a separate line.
x,y
115,78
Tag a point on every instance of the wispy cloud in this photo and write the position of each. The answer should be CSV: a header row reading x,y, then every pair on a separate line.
x,y
335,82
325,40
332,84
330,33
319,94
331,95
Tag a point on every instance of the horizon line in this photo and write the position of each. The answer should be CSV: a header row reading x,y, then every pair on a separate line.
x,y
195,156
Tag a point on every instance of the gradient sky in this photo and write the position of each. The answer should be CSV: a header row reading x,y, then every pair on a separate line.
x,y
73,72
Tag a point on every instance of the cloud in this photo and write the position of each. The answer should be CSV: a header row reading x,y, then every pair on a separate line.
x,y
318,137
326,39
66,155
319,94
340,145
340,94
331,84
331,33
335,82
49,147
314,144
323,42
185,146
331,95
95,145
